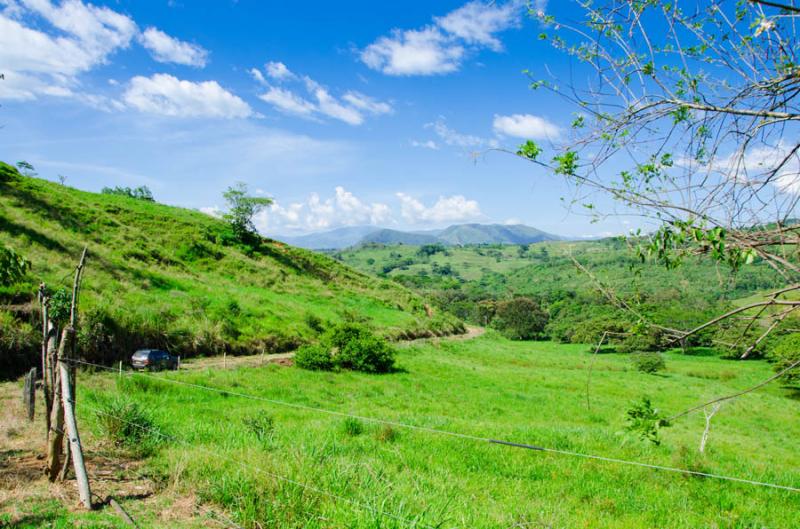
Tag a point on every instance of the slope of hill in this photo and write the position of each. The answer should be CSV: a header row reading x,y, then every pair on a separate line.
x,y
464,234
390,237
169,277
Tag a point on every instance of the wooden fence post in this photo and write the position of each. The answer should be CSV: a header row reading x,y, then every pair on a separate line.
x,y
76,451
29,394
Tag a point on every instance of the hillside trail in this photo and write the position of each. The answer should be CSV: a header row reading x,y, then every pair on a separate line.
x,y
285,359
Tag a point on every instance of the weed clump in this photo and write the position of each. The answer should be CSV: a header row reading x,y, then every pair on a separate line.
x,y
129,425
387,434
352,427
262,426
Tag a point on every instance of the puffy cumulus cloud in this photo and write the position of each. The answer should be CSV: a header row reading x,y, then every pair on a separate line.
x,y
414,52
45,64
352,108
477,22
166,95
441,47
164,48
45,46
446,209
342,209
288,102
278,71
525,126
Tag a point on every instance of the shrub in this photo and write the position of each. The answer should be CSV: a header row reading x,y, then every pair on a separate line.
x,y
348,346
645,421
648,362
785,353
520,319
127,424
370,354
315,357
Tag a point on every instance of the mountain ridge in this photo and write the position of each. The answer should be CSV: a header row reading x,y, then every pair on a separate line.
x,y
454,235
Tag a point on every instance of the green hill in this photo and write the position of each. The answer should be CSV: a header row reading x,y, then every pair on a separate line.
x,y
465,234
389,237
169,277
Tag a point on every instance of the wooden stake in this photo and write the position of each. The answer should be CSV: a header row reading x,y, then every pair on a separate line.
x,y
74,438
56,434
29,394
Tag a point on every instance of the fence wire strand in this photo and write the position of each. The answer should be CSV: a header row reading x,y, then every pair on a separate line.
x,y
458,435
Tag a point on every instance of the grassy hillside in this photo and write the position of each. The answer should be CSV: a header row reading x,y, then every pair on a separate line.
x,y
461,278
170,277
489,387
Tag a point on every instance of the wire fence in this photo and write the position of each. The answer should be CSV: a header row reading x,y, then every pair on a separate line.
x,y
458,435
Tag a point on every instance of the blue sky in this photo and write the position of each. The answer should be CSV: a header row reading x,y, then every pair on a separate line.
x,y
347,114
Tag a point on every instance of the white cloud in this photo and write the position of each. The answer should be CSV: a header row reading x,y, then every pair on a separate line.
x,y
456,139
441,47
164,48
446,209
278,71
287,101
477,22
414,52
352,108
525,126
343,209
258,76
99,29
366,103
168,96
331,107
212,211
42,64
429,144
758,164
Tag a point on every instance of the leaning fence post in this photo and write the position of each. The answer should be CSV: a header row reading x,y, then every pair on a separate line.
x,y
179,363
29,393
120,368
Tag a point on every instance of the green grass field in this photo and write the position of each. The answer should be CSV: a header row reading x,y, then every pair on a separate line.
x,y
530,392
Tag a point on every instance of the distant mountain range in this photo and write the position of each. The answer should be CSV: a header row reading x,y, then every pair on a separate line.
x,y
456,235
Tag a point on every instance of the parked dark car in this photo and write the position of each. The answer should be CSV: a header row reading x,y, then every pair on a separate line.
x,y
153,360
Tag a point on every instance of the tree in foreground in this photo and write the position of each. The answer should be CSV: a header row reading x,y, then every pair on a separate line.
x,y
691,119
242,209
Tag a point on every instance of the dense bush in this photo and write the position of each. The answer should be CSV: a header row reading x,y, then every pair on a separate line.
x,y
370,354
520,319
315,357
348,346
648,362
785,353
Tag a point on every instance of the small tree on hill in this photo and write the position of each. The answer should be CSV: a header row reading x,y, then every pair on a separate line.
x,y
26,169
242,208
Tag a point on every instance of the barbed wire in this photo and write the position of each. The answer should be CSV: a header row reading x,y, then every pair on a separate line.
x,y
458,435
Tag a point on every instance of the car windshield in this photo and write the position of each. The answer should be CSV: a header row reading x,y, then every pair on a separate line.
x,y
141,354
